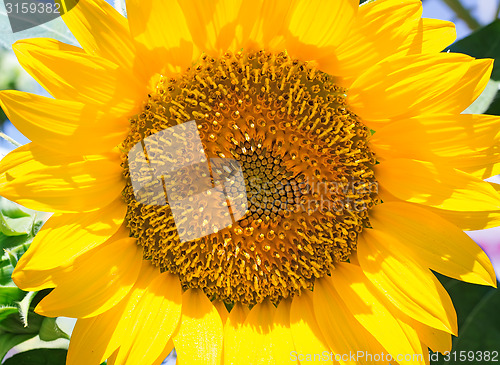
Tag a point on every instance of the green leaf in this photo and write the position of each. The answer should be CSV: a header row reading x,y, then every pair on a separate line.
x,y
14,324
11,256
478,321
6,272
13,328
39,357
24,306
54,29
14,241
15,220
10,295
13,210
50,331
7,311
480,331
9,340
494,108
483,43
18,321
40,219
465,297
15,226
18,227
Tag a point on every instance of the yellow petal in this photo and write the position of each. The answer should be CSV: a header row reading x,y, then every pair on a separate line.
x,y
64,238
42,180
97,282
199,317
127,314
429,36
317,27
466,142
221,25
345,336
266,328
112,359
475,80
222,310
271,23
438,341
283,345
410,287
379,30
98,338
470,221
433,242
495,186
72,75
63,126
307,336
420,352
168,349
231,328
162,34
363,302
254,333
416,85
153,322
86,343
100,30
435,185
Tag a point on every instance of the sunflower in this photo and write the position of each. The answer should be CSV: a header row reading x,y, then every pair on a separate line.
x,y
350,174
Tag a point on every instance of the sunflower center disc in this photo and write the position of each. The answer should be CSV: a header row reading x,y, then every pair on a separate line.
x,y
306,170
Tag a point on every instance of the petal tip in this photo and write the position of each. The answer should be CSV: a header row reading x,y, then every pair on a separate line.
x,y
17,277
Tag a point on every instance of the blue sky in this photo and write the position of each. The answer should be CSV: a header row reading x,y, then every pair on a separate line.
x,y
483,10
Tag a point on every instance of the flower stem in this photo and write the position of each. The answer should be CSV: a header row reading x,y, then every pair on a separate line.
x,y
462,13
9,139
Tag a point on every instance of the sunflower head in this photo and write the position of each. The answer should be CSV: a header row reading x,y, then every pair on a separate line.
x,y
306,173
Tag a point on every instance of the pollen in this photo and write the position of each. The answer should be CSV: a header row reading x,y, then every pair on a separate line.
x,y
306,167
